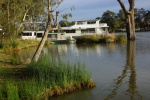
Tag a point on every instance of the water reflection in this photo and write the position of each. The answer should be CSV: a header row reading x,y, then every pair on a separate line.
x,y
130,72
23,55
71,49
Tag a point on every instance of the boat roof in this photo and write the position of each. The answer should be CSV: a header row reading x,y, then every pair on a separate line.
x,y
87,20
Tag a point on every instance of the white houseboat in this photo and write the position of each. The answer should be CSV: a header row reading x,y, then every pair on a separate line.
x,y
86,27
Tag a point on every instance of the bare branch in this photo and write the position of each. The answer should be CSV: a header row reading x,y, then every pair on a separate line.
x,y
58,5
122,5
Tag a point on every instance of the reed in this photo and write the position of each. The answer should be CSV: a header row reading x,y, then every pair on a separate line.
x,y
12,91
17,44
45,78
104,38
121,38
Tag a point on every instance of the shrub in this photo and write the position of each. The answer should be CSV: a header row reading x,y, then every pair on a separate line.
x,y
103,38
121,38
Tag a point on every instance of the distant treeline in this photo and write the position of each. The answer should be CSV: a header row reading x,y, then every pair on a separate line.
x,y
116,21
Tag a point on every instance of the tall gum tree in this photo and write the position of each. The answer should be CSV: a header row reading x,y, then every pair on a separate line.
x,y
48,27
129,15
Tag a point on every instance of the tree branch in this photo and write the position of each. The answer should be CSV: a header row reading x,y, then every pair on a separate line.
x,y
131,3
58,5
122,6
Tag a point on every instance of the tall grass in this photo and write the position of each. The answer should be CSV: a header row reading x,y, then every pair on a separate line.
x,y
121,38
45,78
12,91
104,38
58,72
16,44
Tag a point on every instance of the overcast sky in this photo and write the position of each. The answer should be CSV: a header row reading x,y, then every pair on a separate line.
x,y
90,9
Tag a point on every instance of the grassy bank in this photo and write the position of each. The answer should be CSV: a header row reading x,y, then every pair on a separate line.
x,y
45,78
17,44
108,38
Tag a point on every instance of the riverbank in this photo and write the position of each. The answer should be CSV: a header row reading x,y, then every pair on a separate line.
x,y
6,59
42,79
18,44
104,38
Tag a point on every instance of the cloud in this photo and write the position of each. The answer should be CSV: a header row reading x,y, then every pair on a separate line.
x,y
90,9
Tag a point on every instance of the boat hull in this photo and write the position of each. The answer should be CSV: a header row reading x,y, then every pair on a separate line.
x,y
63,41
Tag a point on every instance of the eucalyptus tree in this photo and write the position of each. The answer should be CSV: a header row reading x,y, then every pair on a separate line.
x,y
111,19
147,19
64,23
139,17
15,12
65,16
52,5
121,18
32,10
129,15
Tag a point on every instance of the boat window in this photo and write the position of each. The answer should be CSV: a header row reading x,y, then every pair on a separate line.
x,y
26,34
81,23
49,35
89,30
69,31
93,22
34,33
39,35
52,36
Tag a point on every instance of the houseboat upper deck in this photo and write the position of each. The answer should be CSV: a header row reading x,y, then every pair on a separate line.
x,y
84,27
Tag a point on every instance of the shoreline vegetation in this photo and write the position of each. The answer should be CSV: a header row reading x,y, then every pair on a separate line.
x,y
42,79
47,77
17,44
104,38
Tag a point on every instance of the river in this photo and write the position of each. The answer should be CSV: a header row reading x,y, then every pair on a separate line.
x,y
120,71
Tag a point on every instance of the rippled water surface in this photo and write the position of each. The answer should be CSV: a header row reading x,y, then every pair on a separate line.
x,y
120,71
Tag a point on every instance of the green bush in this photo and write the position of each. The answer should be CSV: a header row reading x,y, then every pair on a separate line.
x,y
121,38
103,38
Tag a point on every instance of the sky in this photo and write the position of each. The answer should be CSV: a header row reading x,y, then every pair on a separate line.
x,y
91,9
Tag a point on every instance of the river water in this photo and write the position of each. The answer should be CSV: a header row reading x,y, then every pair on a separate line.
x,y
120,71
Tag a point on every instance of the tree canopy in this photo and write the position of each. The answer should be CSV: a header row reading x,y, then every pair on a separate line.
x,y
117,20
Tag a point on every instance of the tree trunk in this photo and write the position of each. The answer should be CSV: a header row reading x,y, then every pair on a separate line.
x,y
24,18
44,38
56,20
48,27
42,42
130,26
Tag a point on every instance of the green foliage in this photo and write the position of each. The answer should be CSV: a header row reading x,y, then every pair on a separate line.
x,y
14,43
110,18
87,39
58,72
12,14
121,38
12,91
1,46
64,23
117,20
95,39
47,42
66,16
39,77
